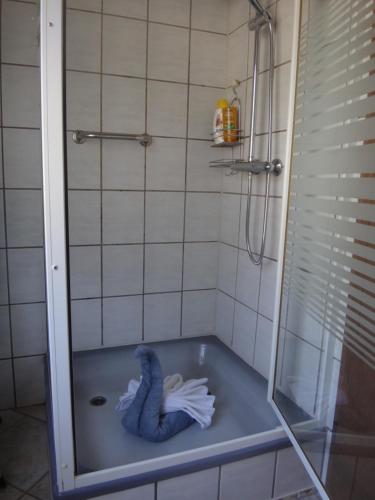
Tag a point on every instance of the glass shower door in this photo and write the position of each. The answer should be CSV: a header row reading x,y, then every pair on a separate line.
x,y
325,359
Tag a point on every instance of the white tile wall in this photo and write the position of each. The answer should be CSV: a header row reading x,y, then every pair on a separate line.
x,y
169,218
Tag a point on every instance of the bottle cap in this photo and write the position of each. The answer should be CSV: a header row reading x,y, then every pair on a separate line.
x,y
222,103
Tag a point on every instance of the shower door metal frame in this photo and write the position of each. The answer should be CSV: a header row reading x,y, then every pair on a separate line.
x,y
52,128
59,349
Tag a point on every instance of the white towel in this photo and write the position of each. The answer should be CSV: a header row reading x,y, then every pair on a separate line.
x,y
191,397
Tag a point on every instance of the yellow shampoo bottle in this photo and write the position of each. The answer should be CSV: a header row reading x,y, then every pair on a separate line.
x,y
218,123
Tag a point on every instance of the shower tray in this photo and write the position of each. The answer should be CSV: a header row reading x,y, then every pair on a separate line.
x,y
241,401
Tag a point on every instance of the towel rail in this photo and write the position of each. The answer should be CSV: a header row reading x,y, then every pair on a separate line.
x,y
80,136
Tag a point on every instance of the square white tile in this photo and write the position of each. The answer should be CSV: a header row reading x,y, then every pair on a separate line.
x,y
162,316
123,102
86,324
210,15
168,53
21,96
83,41
5,347
122,270
202,217
291,475
165,168
91,5
170,11
244,330
200,177
146,492
229,218
248,279
3,278
224,317
238,55
123,165
239,11
26,275
84,217
122,217
127,8
207,53
268,288
29,375
253,476
6,384
201,485
19,43
120,33
198,313
227,268
163,267
85,265
263,343
83,164
284,34
200,265
122,320
164,217
166,109
82,101
29,329
24,210
300,372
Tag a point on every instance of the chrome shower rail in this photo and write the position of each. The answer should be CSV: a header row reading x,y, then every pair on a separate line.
x,y
80,136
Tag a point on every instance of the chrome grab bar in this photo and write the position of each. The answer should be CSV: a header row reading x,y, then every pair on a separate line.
x,y
80,136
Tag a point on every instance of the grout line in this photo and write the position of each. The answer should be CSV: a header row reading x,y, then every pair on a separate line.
x,y
145,175
147,19
185,179
136,77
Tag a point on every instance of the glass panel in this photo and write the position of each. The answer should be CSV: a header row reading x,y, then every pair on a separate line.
x,y
326,342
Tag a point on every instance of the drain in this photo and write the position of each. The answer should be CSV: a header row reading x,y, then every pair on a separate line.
x,y
98,401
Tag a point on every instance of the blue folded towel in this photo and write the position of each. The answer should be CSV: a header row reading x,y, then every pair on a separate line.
x,y
143,417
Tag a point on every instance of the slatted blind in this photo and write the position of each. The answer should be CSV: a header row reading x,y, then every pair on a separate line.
x,y
330,245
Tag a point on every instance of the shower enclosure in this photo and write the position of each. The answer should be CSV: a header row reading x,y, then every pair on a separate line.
x,y
145,243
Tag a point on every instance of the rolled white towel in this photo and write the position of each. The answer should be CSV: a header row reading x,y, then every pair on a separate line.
x,y
191,397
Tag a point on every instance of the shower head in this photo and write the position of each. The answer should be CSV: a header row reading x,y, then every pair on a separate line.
x,y
260,10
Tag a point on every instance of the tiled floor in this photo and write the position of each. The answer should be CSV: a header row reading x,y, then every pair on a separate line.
x,y
24,454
